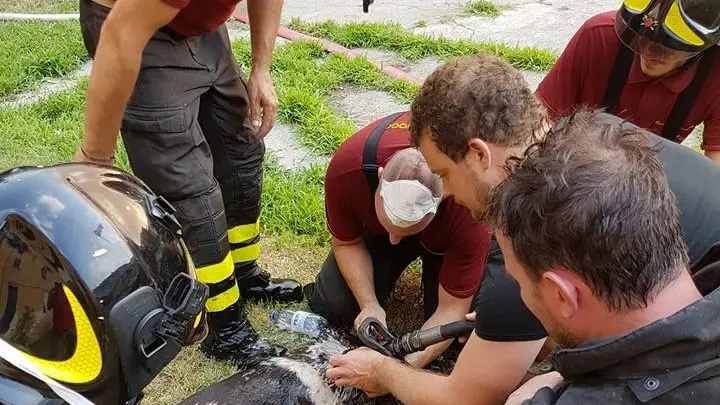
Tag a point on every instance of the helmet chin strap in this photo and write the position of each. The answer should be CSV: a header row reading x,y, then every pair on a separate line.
x,y
17,359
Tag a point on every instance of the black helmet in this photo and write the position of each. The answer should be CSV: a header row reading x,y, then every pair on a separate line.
x,y
96,288
690,26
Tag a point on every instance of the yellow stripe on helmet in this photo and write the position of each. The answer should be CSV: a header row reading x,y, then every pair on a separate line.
x,y
677,25
637,6
85,363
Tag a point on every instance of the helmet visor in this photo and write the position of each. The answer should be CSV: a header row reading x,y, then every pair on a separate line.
x,y
639,37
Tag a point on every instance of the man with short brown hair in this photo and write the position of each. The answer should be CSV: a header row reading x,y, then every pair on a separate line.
x,y
461,99
590,230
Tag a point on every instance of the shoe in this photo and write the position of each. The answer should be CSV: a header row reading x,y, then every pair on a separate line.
x,y
261,287
238,344
308,291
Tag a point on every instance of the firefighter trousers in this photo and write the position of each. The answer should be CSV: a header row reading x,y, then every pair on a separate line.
x,y
188,137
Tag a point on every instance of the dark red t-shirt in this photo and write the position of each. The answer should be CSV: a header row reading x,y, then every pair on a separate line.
x,y
581,75
198,17
350,211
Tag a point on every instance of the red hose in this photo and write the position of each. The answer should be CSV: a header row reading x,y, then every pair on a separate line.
x,y
334,47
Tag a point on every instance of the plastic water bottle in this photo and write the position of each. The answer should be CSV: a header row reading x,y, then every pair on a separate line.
x,y
299,321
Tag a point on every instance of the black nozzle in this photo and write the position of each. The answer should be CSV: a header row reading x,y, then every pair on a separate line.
x,y
422,339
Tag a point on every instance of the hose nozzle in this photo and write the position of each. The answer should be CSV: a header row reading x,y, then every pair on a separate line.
x,y
421,339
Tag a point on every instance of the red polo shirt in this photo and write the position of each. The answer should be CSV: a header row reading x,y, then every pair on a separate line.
x,y
198,17
350,211
582,72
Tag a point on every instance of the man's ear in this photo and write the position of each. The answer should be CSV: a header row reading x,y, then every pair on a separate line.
x,y
480,151
565,294
380,170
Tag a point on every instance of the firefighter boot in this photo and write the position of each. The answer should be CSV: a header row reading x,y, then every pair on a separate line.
x,y
256,284
233,339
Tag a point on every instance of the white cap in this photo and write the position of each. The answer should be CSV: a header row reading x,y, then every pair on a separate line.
x,y
406,202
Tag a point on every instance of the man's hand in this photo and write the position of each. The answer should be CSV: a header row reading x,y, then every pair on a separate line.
x,y
263,101
532,386
359,369
374,311
470,317
264,21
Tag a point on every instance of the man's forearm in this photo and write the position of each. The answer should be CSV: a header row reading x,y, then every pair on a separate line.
x,y
113,77
264,16
414,386
356,267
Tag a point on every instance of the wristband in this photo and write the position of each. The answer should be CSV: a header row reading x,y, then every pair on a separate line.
x,y
108,160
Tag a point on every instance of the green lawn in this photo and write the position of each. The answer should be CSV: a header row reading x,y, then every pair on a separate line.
x,y
393,37
32,51
39,6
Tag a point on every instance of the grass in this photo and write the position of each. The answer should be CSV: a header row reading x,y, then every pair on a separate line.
x,y
293,204
482,7
304,86
39,6
51,129
46,132
394,37
33,51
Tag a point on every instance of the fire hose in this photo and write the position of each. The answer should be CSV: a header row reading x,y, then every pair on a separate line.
x,y
376,336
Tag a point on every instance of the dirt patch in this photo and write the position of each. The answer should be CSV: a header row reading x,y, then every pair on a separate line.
x,y
365,106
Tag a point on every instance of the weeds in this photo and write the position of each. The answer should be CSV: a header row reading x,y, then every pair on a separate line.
x,y
412,46
33,51
482,7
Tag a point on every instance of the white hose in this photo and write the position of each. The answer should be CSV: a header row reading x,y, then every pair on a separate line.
x,y
41,17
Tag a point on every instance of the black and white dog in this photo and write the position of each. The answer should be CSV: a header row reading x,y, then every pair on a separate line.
x,y
296,380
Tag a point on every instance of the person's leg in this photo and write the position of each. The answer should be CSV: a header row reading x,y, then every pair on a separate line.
x,y
92,16
238,163
167,150
330,295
